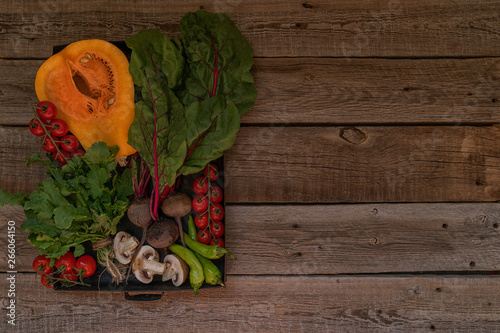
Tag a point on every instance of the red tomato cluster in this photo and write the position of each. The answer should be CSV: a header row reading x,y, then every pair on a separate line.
x,y
54,132
207,205
68,269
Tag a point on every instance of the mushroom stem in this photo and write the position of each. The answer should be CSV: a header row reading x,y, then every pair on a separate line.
x,y
181,233
129,245
154,267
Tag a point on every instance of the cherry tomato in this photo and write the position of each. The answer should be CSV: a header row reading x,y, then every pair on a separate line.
x,y
59,127
200,186
47,281
46,110
217,241
200,203
203,237
78,152
201,220
61,158
87,263
216,194
41,264
217,228
49,145
70,276
68,260
69,143
216,212
36,128
214,172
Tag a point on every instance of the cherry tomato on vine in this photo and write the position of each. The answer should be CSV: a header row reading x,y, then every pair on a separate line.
x,y
216,194
203,237
47,281
59,127
216,212
217,241
217,228
70,276
36,128
214,172
46,110
69,143
200,185
41,264
78,152
68,260
49,145
62,157
87,263
201,220
200,203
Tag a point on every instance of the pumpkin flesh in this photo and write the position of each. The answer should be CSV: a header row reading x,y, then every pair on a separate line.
x,y
90,84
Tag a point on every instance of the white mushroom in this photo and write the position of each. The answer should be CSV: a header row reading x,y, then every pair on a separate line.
x,y
124,246
147,264
176,269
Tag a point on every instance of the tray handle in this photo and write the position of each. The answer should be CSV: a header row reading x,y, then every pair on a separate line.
x,y
143,297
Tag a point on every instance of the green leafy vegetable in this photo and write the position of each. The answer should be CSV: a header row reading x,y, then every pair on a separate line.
x,y
159,128
82,201
215,87
219,59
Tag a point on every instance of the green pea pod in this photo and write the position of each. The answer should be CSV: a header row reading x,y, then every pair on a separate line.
x,y
208,251
191,228
196,276
212,274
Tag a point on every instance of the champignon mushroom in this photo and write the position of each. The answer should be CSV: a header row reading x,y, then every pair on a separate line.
x,y
176,269
124,246
147,264
177,206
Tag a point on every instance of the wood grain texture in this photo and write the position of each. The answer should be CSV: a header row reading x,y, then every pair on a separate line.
x,y
338,28
329,164
364,238
341,239
363,164
332,91
271,304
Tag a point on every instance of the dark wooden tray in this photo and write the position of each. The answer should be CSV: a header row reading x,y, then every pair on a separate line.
x,y
102,280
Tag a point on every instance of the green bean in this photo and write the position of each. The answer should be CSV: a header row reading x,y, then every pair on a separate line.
x,y
208,251
196,276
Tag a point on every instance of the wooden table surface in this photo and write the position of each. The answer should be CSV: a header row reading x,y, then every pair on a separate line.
x,y
362,188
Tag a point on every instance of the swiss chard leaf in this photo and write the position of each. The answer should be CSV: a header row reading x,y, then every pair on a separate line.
x,y
152,49
219,59
158,132
209,133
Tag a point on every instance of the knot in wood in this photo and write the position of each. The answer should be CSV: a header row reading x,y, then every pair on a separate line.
x,y
352,135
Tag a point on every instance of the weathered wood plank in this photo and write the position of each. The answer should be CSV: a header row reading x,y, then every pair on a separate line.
x,y
341,239
329,164
16,146
332,91
363,164
271,304
299,28
365,238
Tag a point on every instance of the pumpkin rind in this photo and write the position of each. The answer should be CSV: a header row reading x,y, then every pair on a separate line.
x,y
90,84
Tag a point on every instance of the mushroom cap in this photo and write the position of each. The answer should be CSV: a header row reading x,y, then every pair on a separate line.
x,y
176,269
124,246
147,264
177,205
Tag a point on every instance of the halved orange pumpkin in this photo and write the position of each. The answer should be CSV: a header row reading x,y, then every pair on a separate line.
x,y
90,84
